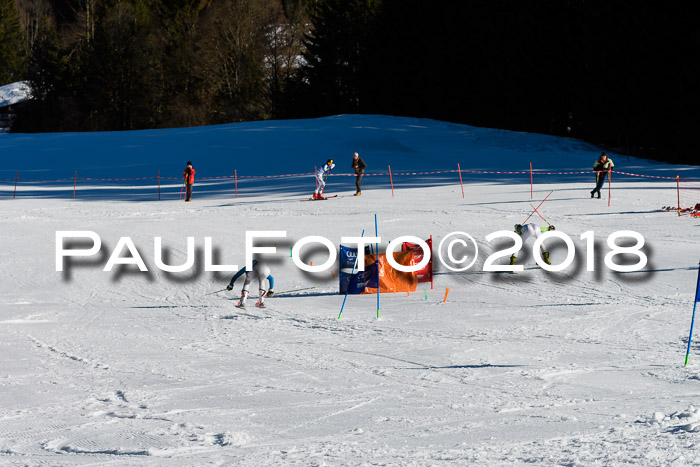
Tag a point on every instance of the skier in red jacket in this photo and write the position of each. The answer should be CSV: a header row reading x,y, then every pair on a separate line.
x,y
188,173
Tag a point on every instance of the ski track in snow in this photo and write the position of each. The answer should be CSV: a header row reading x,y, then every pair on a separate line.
x,y
568,368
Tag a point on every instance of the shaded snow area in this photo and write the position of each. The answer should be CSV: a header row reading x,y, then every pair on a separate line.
x,y
152,368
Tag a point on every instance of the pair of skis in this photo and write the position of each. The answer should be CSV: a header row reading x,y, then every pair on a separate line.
x,y
325,176
277,294
258,304
673,208
322,199
262,305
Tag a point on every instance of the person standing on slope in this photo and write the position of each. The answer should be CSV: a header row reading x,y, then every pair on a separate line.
x,y
531,230
188,173
359,165
261,271
321,175
602,166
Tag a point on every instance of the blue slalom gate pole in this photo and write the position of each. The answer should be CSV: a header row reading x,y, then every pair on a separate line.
x,y
354,266
692,321
376,234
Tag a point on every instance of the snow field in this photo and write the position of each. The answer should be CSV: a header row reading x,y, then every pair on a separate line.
x,y
126,367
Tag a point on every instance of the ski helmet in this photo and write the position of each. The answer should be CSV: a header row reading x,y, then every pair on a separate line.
x,y
518,227
329,161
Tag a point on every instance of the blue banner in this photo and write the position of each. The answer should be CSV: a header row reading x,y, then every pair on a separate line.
x,y
354,283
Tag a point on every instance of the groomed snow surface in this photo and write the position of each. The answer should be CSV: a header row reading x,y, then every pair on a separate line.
x,y
548,368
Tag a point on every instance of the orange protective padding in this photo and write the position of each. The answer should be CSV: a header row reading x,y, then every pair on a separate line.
x,y
391,280
425,274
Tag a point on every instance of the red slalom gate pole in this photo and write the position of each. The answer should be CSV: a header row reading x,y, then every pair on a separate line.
x,y
235,175
391,179
14,195
459,169
538,206
431,262
531,195
159,185
609,184
75,182
678,190
315,179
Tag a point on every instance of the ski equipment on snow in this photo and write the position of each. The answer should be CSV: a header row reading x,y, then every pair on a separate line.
x,y
212,293
322,199
295,290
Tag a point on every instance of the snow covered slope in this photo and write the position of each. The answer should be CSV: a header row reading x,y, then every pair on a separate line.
x,y
127,367
292,147
14,93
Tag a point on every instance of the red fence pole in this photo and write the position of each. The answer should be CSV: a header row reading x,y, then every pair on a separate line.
x,y
391,179
531,196
431,262
459,169
678,190
15,193
75,182
609,184
235,175
159,185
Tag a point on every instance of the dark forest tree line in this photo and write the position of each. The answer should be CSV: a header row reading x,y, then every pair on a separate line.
x,y
131,64
623,74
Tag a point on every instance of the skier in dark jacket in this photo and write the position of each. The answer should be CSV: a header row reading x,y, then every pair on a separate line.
x,y
602,166
359,165
188,174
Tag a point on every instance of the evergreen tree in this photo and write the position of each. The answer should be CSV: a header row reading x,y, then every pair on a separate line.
x,y
233,41
335,50
12,58
122,69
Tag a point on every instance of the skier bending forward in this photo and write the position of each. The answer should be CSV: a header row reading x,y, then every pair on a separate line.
x,y
321,175
261,271
531,230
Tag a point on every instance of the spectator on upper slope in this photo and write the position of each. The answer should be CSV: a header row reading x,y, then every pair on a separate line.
x,y
602,166
359,165
188,173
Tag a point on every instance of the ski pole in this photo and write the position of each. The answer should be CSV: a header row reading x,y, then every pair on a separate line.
x,y
183,187
354,267
295,290
538,213
325,177
212,293
538,206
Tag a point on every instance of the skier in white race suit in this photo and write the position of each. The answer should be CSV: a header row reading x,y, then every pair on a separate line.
x,y
321,175
531,230
260,272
